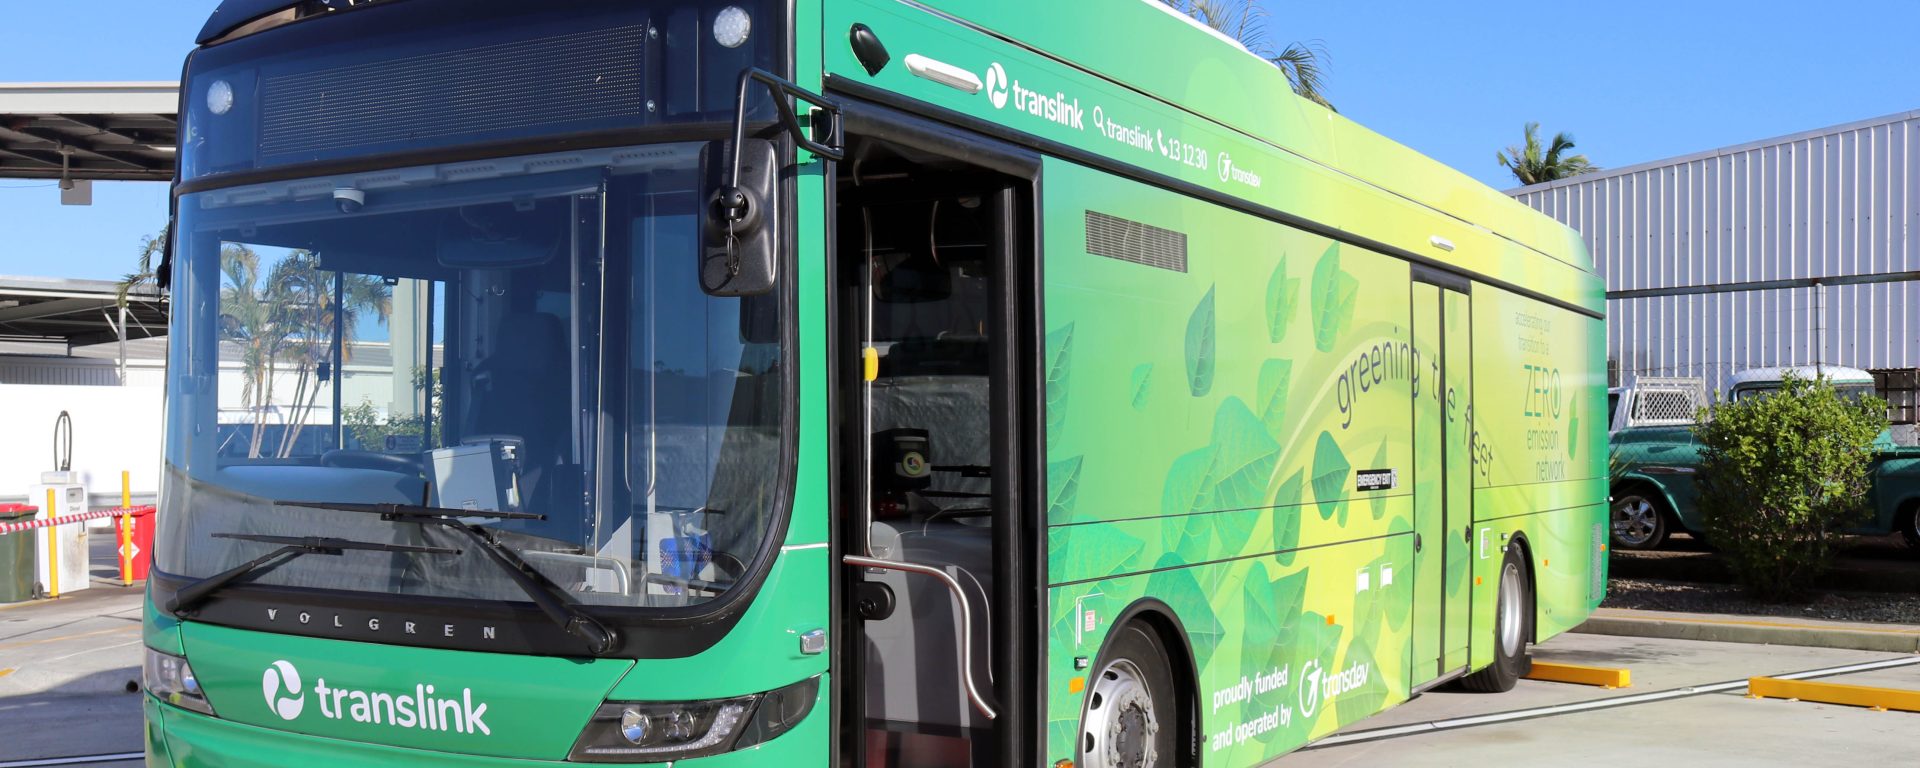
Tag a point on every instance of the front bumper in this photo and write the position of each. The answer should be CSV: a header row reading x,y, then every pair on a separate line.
x,y
177,738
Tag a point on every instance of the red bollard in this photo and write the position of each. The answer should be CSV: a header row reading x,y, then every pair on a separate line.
x,y
136,543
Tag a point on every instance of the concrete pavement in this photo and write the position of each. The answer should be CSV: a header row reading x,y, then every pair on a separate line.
x,y
1861,636
1708,729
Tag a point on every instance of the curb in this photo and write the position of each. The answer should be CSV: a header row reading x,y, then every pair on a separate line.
x,y
1734,630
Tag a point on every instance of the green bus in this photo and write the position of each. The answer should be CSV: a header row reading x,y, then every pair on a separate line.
x,y
853,382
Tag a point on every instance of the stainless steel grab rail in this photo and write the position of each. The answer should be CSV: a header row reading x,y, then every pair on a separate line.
x,y
966,619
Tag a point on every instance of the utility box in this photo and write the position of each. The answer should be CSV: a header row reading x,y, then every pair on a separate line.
x,y
62,560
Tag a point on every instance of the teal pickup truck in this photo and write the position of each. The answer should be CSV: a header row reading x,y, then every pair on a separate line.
x,y
1655,457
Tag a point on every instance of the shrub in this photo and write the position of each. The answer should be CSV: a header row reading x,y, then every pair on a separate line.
x,y
1780,475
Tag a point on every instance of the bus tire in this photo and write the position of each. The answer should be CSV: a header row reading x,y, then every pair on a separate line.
x,y
1130,716
1512,625
1639,519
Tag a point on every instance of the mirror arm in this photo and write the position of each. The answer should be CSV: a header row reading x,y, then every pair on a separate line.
x,y
732,199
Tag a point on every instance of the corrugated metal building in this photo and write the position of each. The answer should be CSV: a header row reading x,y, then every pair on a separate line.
x,y
1798,250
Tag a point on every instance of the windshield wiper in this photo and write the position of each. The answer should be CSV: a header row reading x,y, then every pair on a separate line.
x,y
396,511
549,597
292,547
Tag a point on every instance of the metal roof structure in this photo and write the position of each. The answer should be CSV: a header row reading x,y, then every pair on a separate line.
x,y
77,313
1795,250
99,131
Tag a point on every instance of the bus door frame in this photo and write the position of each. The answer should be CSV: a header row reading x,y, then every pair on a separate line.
x,y
1443,294
1018,638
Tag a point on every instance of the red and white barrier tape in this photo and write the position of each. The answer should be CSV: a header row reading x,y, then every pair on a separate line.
x,y
6,528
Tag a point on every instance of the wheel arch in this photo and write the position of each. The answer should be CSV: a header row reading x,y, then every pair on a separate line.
x,y
1668,507
1164,623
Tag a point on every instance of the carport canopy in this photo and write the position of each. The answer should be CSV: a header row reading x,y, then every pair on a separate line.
x,y
99,131
77,313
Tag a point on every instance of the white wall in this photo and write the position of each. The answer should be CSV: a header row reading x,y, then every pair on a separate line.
x,y
114,429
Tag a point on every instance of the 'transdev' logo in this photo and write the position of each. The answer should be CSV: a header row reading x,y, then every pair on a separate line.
x,y
997,85
283,675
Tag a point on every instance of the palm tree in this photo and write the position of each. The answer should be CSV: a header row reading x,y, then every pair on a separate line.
x,y
143,274
313,310
1246,21
1532,166
288,317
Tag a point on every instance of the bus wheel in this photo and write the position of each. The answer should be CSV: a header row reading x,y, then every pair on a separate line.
x,y
1512,626
1129,719
1638,521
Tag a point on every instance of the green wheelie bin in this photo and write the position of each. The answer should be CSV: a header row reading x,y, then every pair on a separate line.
x,y
16,555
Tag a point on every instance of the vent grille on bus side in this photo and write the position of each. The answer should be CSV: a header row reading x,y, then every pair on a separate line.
x,y
558,79
1128,240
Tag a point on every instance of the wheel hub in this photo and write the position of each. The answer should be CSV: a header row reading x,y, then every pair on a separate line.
x,y
1511,619
1121,726
1633,520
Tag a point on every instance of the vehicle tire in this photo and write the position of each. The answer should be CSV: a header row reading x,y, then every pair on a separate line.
x,y
1512,625
1639,520
1130,717
1909,523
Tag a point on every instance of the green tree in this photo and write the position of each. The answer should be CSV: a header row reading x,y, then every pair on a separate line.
x,y
1533,165
1780,475
1246,21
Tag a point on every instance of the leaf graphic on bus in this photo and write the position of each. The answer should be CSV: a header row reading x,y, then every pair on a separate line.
x,y
1272,617
1059,356
1573,434
1200,347
1330,471
1142,376
1369,694
1314,646
1283,296
1398,596
1176,586
1334,292
1103,550
1286,514
1377,501
1271,393
1243,458
1187,491
1063,489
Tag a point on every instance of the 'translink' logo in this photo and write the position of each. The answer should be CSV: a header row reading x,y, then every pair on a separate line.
x,y
1058,108
281,675
421,708
997,85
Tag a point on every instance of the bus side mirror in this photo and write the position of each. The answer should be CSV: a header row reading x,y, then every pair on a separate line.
x,y
738,238
740,232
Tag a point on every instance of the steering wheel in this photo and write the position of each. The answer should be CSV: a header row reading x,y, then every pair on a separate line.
x,y
385,462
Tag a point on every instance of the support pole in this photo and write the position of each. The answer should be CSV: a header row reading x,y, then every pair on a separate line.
x,y
53,548
126,529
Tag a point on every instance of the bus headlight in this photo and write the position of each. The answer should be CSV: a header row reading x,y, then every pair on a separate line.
x,y
169,678
660,731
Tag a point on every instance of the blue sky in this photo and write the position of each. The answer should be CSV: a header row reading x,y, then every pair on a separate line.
x,y
1632,80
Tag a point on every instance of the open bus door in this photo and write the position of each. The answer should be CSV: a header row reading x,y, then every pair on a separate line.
x,y
935,281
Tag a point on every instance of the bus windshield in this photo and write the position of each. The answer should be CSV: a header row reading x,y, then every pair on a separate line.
x,y
523,335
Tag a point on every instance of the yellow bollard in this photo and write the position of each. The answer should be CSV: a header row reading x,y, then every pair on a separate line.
x,y
53,548
126,530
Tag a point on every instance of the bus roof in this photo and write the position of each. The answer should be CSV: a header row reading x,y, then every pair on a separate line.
x,y
1211,76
